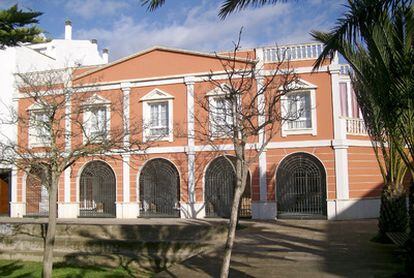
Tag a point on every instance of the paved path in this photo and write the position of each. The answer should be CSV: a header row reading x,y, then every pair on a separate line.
x,y
300,248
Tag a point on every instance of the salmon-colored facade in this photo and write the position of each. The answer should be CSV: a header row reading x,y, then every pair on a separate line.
x,y
321,167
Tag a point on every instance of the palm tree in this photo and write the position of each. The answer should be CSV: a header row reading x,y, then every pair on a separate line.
x,y
376,37
227,7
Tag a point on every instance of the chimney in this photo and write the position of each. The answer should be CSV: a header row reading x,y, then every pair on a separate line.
x,y
105,55
68,30
94,41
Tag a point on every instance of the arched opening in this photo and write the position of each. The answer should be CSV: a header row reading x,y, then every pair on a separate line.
x,y
37,197
301,187
159,189
97,190
220,181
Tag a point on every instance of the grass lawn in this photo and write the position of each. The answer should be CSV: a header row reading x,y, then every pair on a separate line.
x,y
34,269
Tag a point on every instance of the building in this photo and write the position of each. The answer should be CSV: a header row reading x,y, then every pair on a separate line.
x,y
320,165
54,54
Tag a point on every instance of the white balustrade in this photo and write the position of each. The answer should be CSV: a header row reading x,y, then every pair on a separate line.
x,y
294,52
355,126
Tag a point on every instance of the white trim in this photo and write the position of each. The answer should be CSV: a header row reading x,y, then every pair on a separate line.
x,y
34,141
164,80
299,144
312,130
126,178
147,120
93,102
156,94
66,183
68,123
126,90
189,81
299,85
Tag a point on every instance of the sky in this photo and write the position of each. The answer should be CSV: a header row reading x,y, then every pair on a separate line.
x,y
125,27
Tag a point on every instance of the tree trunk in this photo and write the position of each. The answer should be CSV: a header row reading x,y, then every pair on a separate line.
x,y
240,185
51,231
393,211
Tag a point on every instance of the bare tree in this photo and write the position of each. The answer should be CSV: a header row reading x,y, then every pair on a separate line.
x,y
60,122
242,109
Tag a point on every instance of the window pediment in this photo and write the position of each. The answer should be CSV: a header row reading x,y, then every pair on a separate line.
x,y
156,94
219,91
300,84
96,100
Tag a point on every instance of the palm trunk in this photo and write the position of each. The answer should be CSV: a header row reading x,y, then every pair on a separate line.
x,y
241,183
393,211
51,231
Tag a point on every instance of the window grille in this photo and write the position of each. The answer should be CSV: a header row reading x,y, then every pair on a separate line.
x,y
97,190
159,189
301,187
220,181
37,197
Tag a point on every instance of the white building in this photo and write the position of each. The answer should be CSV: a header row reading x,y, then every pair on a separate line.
x,y
55,54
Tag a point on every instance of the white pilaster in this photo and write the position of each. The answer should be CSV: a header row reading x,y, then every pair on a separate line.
x,y
261,119
17,209
125,177
339,144
68,123
126,89
189,82
67,184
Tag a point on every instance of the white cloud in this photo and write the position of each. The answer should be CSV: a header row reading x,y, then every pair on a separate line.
x,y
201,29
94,8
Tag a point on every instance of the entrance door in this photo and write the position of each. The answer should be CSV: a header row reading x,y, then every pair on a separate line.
x,y
220,181
301,187
159,189
4,192
97,190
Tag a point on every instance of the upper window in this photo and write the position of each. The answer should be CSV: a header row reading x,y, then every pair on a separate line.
x,y
221,116
158,116
96,122
39,129
159,119
299,109
96,119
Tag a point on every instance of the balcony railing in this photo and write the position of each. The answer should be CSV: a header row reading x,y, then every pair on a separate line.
x,y
294,52
355,126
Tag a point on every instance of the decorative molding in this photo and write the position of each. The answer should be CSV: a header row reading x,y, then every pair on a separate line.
x,y
156,94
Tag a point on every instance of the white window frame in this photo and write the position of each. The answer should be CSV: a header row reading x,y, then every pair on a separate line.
x,y
301,86
157,96
94,102
34,141
212,95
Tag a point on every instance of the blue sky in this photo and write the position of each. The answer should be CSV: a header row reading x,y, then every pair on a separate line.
x,y
125,27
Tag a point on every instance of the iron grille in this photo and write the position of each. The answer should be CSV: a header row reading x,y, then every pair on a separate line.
x,y
220,181
37,197
301,186
97,190
159,189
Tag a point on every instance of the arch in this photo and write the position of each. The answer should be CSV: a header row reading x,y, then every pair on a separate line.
x,y
301,187
37,197
219,183
159,189
97,190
